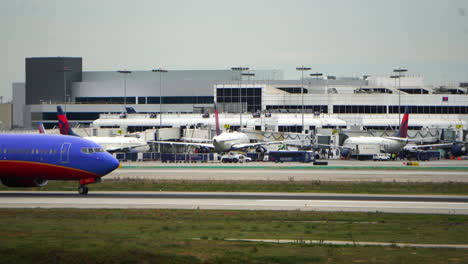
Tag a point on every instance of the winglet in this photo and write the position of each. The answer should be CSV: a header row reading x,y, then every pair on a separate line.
x,y
403,131
63,124
41,128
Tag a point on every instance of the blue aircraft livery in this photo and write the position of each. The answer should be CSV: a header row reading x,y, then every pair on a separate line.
x,y
30,160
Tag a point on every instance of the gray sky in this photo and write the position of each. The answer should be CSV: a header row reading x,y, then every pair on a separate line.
x,y
336,37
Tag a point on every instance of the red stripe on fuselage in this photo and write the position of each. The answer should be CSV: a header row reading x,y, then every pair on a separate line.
x,y
33,170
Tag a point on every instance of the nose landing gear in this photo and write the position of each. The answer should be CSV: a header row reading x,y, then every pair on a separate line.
x,y
83,189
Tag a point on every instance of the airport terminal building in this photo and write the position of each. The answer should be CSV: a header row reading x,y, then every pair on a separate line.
x,y
267,101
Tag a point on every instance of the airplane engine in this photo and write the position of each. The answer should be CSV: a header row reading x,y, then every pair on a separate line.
x,y
345,153
202,150
10,182
458,149
261,149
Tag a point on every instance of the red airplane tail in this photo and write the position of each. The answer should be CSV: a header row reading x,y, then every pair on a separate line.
x,y
403,131
63,124
218,130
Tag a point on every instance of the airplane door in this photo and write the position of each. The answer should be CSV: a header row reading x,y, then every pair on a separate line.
x,y
64,153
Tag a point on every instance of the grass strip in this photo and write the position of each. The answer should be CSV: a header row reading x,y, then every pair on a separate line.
x,y
450,188
165,236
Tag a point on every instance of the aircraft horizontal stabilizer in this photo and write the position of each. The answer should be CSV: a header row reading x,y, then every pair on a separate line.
x,y
398,139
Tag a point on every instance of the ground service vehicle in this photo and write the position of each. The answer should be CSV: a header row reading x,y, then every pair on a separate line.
x,y
233,157
381,156
288,156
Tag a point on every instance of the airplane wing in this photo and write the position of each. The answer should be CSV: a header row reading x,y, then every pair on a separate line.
x,y
196,140
123,149
415,147
194,144
250,145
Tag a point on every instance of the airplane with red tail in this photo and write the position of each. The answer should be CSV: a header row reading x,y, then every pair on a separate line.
x,y
31,160
110,144
391,145
227,141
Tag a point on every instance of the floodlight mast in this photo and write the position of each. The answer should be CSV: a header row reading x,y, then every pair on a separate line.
x,y
400,72
161,71
240,70
125,73
302,69
248,74
65,69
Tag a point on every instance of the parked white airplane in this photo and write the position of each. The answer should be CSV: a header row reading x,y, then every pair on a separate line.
x,y
393,144
226,141
110,144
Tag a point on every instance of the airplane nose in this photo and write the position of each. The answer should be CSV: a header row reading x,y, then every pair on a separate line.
x,y
115,164
112,164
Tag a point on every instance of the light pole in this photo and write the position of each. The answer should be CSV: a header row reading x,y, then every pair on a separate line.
x,y
396,77
400,71
125,73
248,74
317,75
161,71
240,70
302,69
65,69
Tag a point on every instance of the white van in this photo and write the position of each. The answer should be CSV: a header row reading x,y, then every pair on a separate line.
x,y
381,156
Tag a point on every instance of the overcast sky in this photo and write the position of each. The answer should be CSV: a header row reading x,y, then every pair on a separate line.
x,y
336,37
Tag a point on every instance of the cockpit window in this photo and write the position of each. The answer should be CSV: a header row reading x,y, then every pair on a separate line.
x,y
91,150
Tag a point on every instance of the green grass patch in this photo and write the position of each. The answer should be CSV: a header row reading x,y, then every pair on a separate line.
x,y
450,188
166,236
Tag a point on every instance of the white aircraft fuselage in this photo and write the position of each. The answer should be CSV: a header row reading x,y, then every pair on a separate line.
x,y
224,141
117,143
387,144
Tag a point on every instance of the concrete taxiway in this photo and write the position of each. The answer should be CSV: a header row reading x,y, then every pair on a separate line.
x,y
288,174
337,170
240,201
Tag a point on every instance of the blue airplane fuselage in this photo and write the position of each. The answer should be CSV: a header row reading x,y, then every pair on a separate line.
x,y
26,157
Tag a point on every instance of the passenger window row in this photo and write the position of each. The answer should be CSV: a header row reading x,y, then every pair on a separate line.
x,y
29,151
91,150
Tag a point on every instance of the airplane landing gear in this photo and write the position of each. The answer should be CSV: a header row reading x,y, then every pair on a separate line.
x,y
83,190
